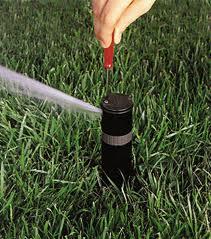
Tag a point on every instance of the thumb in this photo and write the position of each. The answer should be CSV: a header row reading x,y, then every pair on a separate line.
x,y
134,11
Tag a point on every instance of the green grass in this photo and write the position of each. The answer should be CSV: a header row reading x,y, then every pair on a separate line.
x,y
50,159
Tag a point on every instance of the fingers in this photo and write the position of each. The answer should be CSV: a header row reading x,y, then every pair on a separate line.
x,y
97,8
106,21
115,16
134,11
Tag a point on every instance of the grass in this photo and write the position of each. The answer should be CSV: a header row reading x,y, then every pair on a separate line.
x,y
50,159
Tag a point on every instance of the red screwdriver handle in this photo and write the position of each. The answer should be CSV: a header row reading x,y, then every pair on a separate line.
x,y
109,55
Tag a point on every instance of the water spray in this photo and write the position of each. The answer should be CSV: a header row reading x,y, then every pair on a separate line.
x,y
22,85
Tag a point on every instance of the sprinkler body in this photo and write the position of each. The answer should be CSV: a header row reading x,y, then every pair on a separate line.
x,y
117,138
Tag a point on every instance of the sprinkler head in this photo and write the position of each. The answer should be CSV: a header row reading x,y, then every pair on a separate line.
x,y
116,125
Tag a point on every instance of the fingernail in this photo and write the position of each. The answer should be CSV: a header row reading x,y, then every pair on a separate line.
x,y
117,38
102,44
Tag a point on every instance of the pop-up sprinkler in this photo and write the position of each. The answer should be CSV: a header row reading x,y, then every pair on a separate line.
x,y
116,116
117,137
117,163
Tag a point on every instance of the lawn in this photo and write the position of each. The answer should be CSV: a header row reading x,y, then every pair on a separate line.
x,y
50,158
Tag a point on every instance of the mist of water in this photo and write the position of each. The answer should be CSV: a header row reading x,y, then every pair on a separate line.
x,y
19,84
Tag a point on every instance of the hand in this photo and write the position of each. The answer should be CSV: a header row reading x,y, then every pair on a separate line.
x,y
115,16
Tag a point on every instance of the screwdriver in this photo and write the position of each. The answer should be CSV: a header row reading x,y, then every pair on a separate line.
x,y
108,62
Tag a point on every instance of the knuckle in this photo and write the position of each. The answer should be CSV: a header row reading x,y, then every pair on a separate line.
x,y
96,12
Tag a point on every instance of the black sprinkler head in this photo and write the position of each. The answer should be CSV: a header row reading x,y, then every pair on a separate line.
x,y
117,163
